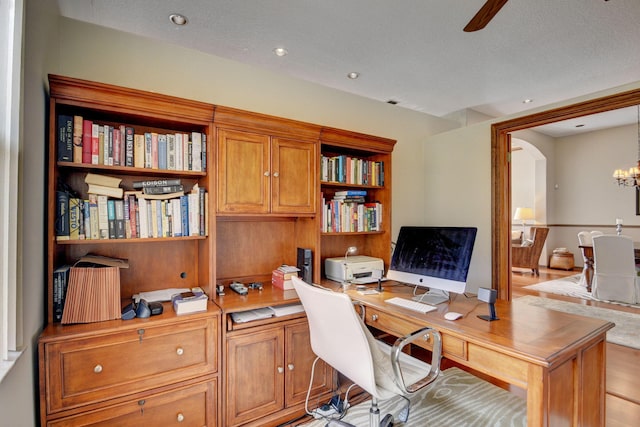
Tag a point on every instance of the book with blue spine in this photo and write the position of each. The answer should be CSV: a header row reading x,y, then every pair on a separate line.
x,y
111,217
184,214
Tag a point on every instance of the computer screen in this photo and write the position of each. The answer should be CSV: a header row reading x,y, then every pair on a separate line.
x,y
436,258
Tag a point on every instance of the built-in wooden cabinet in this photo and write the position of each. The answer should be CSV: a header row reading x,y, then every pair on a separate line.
x,y
265,165
97,372
268,371
265,198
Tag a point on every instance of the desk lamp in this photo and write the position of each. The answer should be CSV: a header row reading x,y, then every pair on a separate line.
x,y
350,251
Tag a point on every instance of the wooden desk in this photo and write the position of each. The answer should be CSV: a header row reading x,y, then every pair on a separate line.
x,y
558,358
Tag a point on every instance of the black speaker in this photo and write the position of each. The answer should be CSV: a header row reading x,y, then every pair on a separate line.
x,y
305,264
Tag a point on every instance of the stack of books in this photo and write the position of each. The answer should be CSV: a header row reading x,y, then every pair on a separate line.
x,y
281,277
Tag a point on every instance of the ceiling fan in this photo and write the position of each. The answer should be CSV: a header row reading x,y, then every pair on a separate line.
x,y
484,15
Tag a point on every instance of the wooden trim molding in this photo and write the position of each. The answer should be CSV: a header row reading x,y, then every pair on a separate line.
x,y
501,173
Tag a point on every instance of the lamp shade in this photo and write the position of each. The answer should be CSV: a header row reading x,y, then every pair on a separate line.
x,y
523,214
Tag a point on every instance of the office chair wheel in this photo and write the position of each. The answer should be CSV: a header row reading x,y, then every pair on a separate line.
x,y
387,421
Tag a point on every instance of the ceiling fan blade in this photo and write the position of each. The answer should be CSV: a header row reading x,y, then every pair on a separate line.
x,y
484,15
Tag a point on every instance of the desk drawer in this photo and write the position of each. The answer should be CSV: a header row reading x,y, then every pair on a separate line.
x,y
91,370
397,326
188,406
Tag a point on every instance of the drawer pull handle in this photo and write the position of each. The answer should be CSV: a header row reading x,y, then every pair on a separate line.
x,y
97,369
290,366
280,370
267,173
140,334
374,317
180,418
276,174
180,351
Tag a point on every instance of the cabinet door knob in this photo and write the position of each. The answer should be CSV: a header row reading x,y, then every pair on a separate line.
x,y
276,174
180,417
280,370
267,173
97,369
179,351
374,317
290,366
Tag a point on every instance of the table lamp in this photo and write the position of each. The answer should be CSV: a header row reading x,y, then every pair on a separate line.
x,y
523,214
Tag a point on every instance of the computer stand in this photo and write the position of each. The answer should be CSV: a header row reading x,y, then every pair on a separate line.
x,y
433,297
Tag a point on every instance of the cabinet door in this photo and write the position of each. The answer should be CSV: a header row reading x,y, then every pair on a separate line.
x,y
255,375
299,359
243,172
294,176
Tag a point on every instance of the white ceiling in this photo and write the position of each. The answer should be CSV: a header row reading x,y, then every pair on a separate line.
x,y
410,51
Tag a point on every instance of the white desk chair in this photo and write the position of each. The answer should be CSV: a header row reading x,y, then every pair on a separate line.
x,y
615,270
342,340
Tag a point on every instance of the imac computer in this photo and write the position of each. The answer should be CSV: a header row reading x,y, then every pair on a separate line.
x,y
435,258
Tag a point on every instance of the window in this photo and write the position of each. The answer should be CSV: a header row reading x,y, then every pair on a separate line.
x,y
11,27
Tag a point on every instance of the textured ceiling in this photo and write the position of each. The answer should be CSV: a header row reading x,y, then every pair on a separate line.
x,y
413,52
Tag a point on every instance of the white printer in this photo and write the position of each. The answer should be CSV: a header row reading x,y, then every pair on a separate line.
x,y
357,268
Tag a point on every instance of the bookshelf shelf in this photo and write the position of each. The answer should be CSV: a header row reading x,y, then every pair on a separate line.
x,y
130,170
150,240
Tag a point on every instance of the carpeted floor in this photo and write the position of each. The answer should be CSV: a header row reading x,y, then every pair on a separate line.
x,y
627,324
569,286
456,398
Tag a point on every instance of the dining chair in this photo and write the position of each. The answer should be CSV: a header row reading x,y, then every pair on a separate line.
x,y
615,276
585,242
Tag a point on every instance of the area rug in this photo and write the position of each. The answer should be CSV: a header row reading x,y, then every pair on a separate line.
x,y
570,286
456,398
627,324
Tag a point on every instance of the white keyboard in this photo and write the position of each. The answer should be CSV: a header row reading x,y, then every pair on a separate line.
x,y
411,304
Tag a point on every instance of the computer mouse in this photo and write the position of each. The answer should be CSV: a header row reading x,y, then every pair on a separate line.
x,y
452,315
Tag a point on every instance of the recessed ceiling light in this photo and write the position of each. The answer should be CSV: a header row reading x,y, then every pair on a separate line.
x,y
178,19
527,101
280,51
353,75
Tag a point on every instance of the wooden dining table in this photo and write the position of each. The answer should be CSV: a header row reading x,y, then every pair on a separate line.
x,y
588,269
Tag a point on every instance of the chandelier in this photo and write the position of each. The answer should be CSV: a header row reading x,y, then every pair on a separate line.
x,y
630,178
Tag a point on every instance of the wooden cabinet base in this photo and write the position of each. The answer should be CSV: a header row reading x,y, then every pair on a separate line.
x,y
193,405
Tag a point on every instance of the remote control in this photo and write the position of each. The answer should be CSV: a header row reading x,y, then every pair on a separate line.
x,y
239,288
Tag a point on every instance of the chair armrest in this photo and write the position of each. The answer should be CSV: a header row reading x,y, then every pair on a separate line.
x,y
429,334
362,309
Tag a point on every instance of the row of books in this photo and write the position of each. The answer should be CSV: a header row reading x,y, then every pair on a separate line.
x,y
134,216
84,141
351,170
350,214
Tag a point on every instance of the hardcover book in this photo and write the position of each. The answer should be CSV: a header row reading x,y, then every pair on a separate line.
x,y
138,151
104,180
87,141
60,283
65,138
75,218
115,192
77,139
156,183
62,215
